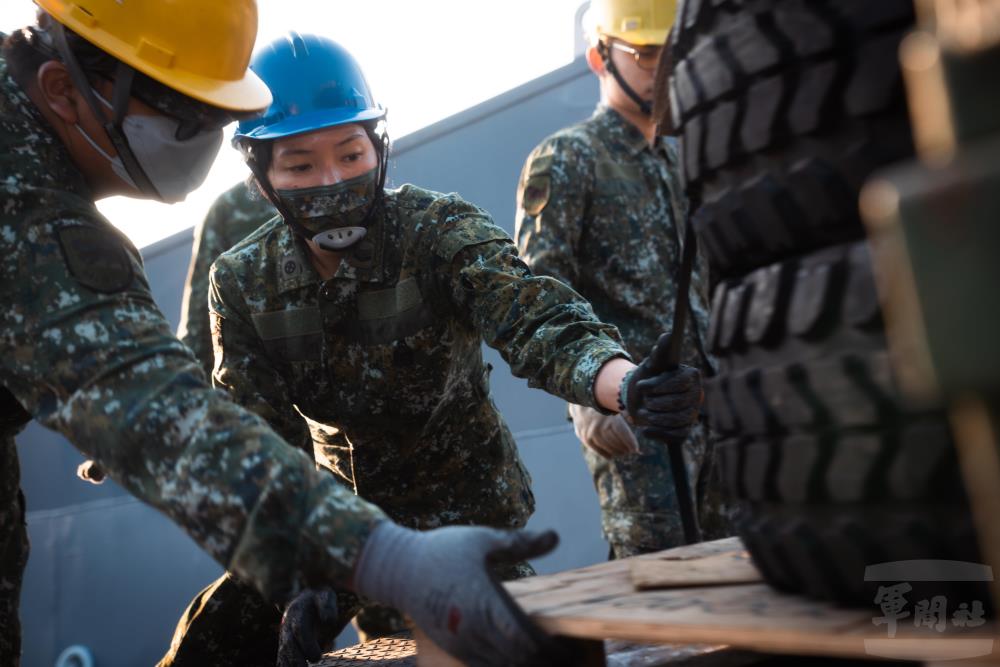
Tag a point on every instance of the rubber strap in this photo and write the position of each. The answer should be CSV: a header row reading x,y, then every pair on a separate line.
x,y
609,64
113,127
668,358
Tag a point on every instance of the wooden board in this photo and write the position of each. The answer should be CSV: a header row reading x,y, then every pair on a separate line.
x,y
401,651
600,602
669,571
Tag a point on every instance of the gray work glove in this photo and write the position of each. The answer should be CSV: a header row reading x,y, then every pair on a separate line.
x,y
441,580
308,628
608,435
91,471
662,404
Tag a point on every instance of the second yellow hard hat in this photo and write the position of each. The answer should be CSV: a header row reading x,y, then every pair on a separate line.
x,y
639,22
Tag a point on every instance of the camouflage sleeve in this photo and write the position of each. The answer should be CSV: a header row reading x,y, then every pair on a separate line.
x,y
88,353
194,328
233,216
244,368
552,199
545,331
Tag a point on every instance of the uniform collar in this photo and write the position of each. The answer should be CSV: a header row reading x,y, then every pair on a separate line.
x,y
364,263
619,131
666,147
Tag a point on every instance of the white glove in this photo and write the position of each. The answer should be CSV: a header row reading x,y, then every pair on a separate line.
x,y
608,435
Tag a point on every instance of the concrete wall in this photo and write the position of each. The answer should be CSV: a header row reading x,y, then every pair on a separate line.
x,y
114,575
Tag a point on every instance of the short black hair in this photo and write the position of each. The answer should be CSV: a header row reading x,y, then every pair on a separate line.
x,y
23,61
258,155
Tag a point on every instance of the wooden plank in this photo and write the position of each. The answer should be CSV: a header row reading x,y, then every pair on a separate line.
x,y
587,652
977,445
401,651
603,581
631,654
673,572
600,602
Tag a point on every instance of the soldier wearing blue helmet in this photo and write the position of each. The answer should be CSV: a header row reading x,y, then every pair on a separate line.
x,y
353,322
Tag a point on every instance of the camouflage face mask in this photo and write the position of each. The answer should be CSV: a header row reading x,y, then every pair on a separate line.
x,y
335,214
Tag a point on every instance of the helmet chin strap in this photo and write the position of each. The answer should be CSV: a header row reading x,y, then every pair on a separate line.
x,y
120,99
609,64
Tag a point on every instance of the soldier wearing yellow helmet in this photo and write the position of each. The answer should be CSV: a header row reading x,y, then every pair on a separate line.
x,y
600,206
637,29
105,97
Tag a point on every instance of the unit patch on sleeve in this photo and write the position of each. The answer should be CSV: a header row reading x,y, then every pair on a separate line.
x,y
96,258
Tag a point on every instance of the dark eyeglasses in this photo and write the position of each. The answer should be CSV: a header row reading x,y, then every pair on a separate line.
x,y
645,57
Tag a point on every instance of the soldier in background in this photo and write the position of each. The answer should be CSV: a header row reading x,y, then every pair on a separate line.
x,y
130,99
232,217
600,207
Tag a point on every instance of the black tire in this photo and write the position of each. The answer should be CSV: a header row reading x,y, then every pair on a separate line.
x,y
831,467
784,108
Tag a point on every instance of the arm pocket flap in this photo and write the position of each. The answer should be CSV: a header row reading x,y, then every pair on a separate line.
x,y
288,323
390,302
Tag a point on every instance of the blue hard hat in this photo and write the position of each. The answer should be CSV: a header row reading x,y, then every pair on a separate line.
x,y
315,83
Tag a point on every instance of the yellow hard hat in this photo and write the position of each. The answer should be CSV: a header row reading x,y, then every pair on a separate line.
x,y
200,48
639,22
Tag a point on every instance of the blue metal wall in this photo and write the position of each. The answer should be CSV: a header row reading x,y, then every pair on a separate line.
x,y
112,574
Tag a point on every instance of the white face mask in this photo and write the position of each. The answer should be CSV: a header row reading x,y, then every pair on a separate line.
x,y
174,167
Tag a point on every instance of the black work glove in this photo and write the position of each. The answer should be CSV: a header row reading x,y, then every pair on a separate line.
x,y
308,628
663,405
441,580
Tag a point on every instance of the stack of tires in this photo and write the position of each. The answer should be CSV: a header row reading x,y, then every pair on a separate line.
x,y
785,108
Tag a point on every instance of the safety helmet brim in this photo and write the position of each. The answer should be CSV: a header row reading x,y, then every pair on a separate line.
x,y
246,95
311,122
652,37
249,95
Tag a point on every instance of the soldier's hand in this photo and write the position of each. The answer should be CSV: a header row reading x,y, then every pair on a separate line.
x,y
308,627
91,471
608,435
440,579
662,404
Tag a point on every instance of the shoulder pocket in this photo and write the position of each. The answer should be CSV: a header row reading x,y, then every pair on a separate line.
x,y
96,257
390,314
613,178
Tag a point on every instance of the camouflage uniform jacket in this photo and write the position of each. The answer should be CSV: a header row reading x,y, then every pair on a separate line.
x,y
232,217
85,351
601,210
384,360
